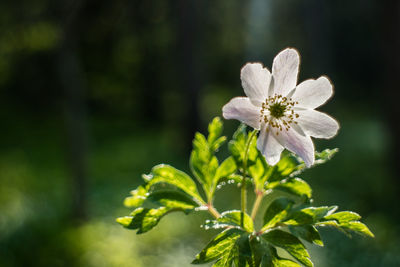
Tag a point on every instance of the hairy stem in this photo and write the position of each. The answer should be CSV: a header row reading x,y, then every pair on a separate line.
x,y
256,205
246,155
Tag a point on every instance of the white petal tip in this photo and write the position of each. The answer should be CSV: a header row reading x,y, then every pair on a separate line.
x,y
272,161
309,164
289,53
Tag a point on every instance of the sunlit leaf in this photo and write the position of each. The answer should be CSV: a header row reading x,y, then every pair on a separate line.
x,y
137,197
320,158
143,219
290,165
219,246
261,250
294,186
286,166
200,159
276,212
171,199
244,257
204,164
280,262
167,174
214,134
347,222
155,206
232,218
343,216
227,259
308,233
260,171
309,215
290,243
357,227
227,168
325,155
238,145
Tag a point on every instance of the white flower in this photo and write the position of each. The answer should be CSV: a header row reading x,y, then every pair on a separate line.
x,y
283,112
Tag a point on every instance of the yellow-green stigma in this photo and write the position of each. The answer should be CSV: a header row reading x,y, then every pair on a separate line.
x,y
277,110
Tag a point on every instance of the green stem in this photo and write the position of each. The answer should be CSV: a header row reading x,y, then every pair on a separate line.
x,y
256,205
213,211
246,155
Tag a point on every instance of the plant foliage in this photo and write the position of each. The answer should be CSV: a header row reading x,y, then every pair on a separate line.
x,y
289,219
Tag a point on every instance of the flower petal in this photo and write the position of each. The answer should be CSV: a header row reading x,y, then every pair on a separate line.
x,y
255,82
313,93
240,108
269,146
285,69
317,124
296,141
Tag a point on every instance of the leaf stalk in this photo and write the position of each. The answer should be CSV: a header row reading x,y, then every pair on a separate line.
x,y
256,205
213,211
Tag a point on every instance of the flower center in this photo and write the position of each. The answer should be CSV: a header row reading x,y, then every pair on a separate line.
x,y
278,112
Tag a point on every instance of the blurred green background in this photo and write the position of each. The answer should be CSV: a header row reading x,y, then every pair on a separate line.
x,y
95,93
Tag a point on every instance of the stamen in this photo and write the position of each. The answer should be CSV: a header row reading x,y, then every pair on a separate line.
x,y
278,112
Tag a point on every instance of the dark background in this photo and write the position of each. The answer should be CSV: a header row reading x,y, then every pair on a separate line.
x,y
94,93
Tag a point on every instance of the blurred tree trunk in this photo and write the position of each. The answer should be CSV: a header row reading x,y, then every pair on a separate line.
x,y
391,82
188,43
72,82
317,28
149,85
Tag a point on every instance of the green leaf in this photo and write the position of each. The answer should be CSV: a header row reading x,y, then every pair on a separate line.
x,y
137,197
219,246
262,252
238,179
204,164
227,259
227,168
357,227
240,254
276,212
244,257
238,143
264,255
309,215
154,207
346,221
218,143
200,143
343,216
280,262
308,233
237,146
200,159
320,158
171,199
325,155
294,186
291,244
232,218
260,171
214,132
167,174
143,219
290,165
